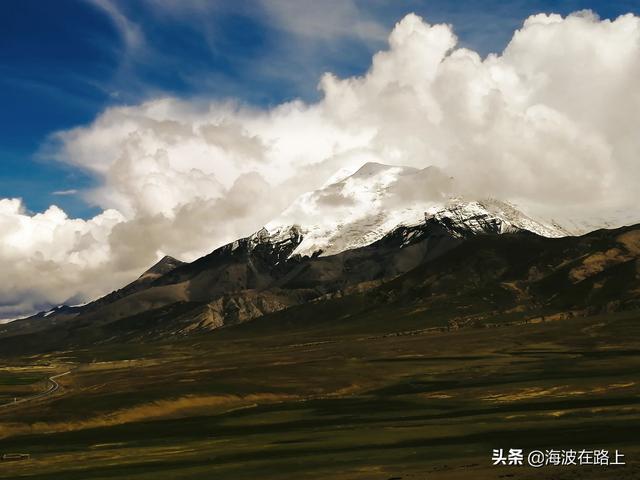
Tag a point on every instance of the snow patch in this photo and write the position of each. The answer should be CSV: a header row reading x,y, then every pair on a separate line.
x,y
361,208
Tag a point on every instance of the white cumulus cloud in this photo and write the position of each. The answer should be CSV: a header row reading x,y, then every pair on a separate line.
x,y
550,123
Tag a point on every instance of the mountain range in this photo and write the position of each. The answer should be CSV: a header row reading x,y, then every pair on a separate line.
x,y
389,239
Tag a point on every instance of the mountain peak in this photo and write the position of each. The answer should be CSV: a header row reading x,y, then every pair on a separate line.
x,y
164,265
370,169
365,206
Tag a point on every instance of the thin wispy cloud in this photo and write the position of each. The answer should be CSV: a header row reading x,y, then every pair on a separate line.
x,y
130,32
300,40
329,21
63,193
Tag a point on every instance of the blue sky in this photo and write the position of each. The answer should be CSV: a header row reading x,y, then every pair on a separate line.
x,y
63,62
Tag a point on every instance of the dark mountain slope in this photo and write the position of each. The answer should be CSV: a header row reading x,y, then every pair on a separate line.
x,y
238,282
486,281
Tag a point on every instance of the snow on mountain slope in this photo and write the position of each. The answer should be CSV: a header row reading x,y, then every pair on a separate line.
x,y
362,208
578,220
490,216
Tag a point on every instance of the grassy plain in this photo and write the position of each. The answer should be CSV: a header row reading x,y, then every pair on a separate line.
x,y
335,401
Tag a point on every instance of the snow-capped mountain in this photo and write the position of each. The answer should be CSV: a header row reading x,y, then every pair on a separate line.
x,y
356,210
361,208
353,234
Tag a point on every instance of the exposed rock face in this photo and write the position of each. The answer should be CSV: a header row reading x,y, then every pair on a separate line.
x,y
231,310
